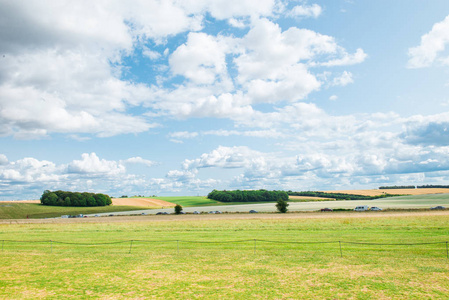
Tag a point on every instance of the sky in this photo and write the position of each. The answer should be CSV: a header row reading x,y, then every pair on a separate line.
x,y
182,97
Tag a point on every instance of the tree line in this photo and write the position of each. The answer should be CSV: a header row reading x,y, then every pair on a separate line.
x,y
63,198
248,196
433,186
397,187
427,186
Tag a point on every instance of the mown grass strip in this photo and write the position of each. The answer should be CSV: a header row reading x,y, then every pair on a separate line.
x,y
165,264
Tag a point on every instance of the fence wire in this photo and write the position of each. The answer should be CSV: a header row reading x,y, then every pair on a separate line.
x,y
254,241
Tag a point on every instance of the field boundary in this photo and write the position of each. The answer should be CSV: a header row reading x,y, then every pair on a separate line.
x,y
255,241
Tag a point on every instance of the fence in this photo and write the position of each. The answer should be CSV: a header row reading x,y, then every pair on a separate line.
x,y
129,245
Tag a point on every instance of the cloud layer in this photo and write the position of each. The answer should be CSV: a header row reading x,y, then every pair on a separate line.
x,y
246,86
69,65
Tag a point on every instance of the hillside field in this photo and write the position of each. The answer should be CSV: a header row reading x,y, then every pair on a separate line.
x,y
142,201
189,200
23,210
218,258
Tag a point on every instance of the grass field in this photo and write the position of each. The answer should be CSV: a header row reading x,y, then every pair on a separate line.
x,y
189,200
201,266
34,210
308,199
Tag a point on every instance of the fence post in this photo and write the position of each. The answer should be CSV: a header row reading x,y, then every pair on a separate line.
x,y
130,246
341,253
447,251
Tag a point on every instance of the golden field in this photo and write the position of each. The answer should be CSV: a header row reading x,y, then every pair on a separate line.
x,y
376,192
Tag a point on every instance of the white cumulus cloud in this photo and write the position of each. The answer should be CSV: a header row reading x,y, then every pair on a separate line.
x,y
432,44
313,10
92,164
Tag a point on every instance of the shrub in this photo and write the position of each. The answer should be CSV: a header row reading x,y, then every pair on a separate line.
x,y
282,205
178,209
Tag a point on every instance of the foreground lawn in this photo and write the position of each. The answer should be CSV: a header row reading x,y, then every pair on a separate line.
x,y
219,259
35,210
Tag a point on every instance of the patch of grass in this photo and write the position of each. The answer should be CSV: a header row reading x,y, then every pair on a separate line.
x,y
35,210
310,199
189,200
155,265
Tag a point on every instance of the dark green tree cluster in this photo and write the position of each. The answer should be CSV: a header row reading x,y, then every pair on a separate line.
x,y
432,186
397,187
247,196
338,196
62,198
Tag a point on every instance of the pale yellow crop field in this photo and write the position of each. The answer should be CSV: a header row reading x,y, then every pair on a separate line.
x,y
376,192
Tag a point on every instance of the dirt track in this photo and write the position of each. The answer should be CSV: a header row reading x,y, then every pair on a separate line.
x,y
233,216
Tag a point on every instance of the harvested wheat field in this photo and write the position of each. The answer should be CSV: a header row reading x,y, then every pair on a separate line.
x,y
376,192
147,202
22,201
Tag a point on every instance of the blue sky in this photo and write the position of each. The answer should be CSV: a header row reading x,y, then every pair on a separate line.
x,y
181,97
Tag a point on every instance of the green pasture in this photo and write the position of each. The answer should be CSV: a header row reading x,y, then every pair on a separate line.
x,y
37,211
189,201
311,199
213,259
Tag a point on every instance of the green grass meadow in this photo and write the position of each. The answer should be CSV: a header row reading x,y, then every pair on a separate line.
x,y
219,259
189,201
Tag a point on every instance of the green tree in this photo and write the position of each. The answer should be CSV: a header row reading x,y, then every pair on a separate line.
x,y
52,199
178,209
67,201
91,201
282,205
